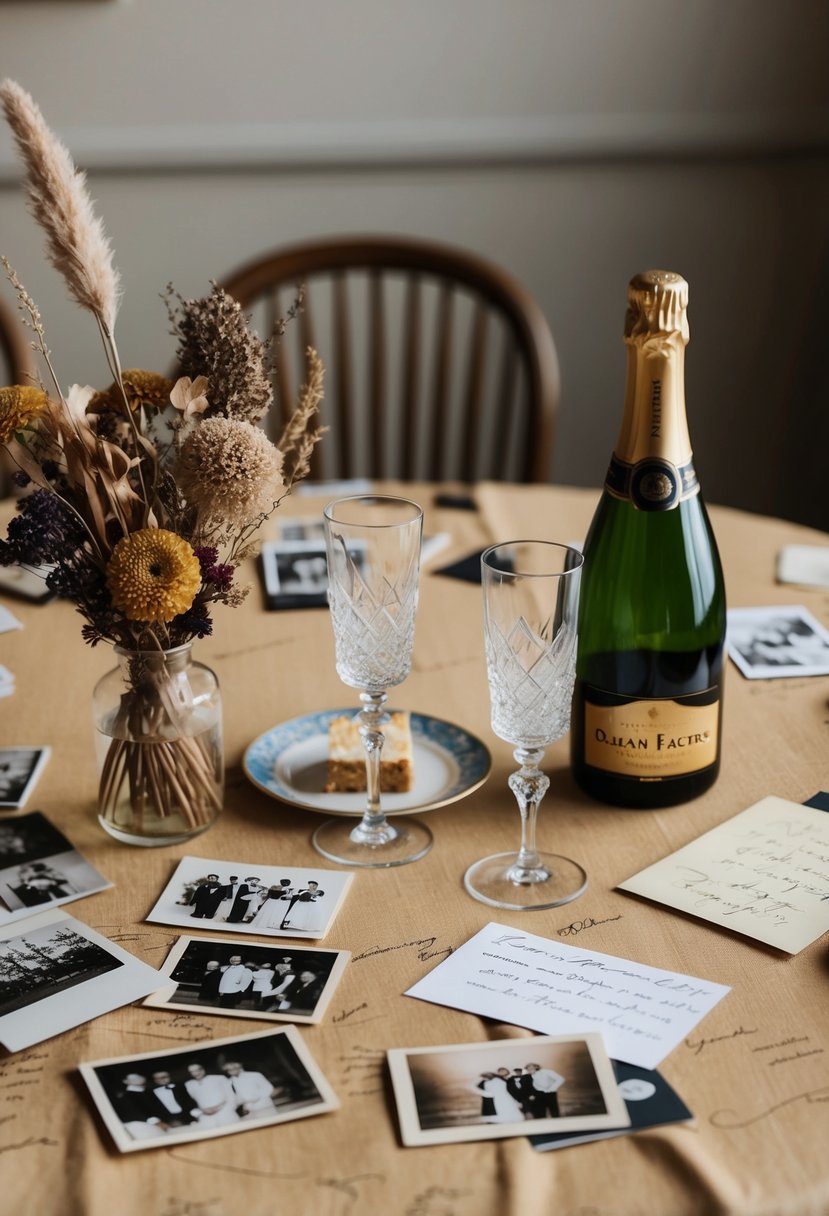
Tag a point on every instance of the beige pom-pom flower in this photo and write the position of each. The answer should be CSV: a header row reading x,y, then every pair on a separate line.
x,y
20,405
153,575
230,471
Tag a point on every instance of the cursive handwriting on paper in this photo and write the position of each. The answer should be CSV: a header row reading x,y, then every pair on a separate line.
x,y
698,1046
730,1118
578,926
763,873
643,1012
361,1070
423,946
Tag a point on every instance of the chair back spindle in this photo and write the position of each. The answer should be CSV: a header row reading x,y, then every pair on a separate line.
x,y
439,365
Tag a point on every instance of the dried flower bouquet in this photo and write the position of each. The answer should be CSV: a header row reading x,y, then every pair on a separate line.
x,y
143,497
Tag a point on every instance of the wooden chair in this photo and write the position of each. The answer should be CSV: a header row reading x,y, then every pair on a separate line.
x,y
17,366
439,365
17,363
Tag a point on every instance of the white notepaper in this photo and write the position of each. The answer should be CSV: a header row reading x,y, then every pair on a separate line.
x,y
763,873
642,1012
8,620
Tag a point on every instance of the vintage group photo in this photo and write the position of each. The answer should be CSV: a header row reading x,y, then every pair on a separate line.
x,y
509,1087
39,868
210,1089
250,980
268,900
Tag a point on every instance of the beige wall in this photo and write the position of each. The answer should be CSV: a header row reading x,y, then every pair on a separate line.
x,y
574,141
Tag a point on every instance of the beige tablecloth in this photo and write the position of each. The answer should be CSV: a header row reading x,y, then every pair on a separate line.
x,y
757,1143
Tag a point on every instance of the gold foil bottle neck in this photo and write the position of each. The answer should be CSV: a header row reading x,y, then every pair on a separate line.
x,y
657,303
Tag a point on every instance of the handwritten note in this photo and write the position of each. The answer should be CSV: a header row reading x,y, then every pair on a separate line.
x,y
642,1012
764,873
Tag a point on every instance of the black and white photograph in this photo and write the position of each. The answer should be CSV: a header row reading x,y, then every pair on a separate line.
x,y
271,901
295,573
39,868
508,1087
208,1089
250,979
20,768
767,643
56,973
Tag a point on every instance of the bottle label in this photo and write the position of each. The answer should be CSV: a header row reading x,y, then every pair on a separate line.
x,y
651,739
652,484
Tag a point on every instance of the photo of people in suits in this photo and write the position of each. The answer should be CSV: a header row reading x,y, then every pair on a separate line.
x,y
272,983
511,1087
208,1089
263,900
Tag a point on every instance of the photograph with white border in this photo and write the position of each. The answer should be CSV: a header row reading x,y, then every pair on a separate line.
x,y
39,868
768,643
20,768
506,1087
243,979
158,1099
56,973
269,901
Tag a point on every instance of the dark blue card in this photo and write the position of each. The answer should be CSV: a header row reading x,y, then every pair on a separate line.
x,y
649,1099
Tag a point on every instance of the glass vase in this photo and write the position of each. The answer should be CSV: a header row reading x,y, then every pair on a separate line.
x,y
158,739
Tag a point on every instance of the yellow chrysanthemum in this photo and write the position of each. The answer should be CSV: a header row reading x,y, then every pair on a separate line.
x,y
147,389
19,406
153,575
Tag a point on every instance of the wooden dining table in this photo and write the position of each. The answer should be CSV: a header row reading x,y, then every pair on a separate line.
x,y
754,1073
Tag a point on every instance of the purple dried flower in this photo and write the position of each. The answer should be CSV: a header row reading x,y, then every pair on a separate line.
x,y
194,622
208,556
42,532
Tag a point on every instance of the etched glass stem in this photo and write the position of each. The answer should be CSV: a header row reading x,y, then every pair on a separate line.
x,y
373,828
529,785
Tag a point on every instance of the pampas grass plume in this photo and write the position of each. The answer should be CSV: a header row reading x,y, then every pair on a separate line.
x,y
77,244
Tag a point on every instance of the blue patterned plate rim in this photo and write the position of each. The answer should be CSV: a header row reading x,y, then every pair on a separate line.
x,y
468,752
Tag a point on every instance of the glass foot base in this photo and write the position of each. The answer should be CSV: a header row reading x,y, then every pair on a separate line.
x,y
407,841
147,840
557,883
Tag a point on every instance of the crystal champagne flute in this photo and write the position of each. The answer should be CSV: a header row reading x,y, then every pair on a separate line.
x,y
531,591
373,549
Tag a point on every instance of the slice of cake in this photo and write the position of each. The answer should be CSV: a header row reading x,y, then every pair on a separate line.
x,y
347,757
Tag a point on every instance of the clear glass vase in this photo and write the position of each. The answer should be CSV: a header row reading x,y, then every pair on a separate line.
x,y
158,739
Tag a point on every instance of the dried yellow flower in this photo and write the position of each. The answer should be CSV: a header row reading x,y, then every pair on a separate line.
x,y
20,405
147,389
153,575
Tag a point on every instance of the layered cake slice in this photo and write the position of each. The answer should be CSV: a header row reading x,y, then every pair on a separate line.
x,y
347,757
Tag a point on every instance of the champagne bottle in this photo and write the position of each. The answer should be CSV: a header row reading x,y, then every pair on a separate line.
x,y
647,711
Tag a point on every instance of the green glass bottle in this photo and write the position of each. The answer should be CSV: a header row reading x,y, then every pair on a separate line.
x,y
647,709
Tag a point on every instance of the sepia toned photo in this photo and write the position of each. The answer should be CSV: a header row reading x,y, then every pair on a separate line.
x,y
208,1089
250,980
271,901
20,768
39,868
56,973
767,643
509,1087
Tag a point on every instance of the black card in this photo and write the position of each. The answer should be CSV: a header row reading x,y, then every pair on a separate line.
x,y
649,1099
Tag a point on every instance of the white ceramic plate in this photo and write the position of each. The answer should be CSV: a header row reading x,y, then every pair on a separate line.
x,y
289,762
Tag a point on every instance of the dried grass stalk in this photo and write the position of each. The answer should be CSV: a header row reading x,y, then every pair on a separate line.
x,y
77,244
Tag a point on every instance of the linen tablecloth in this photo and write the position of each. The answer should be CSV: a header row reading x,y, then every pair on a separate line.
x,y
755,1073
